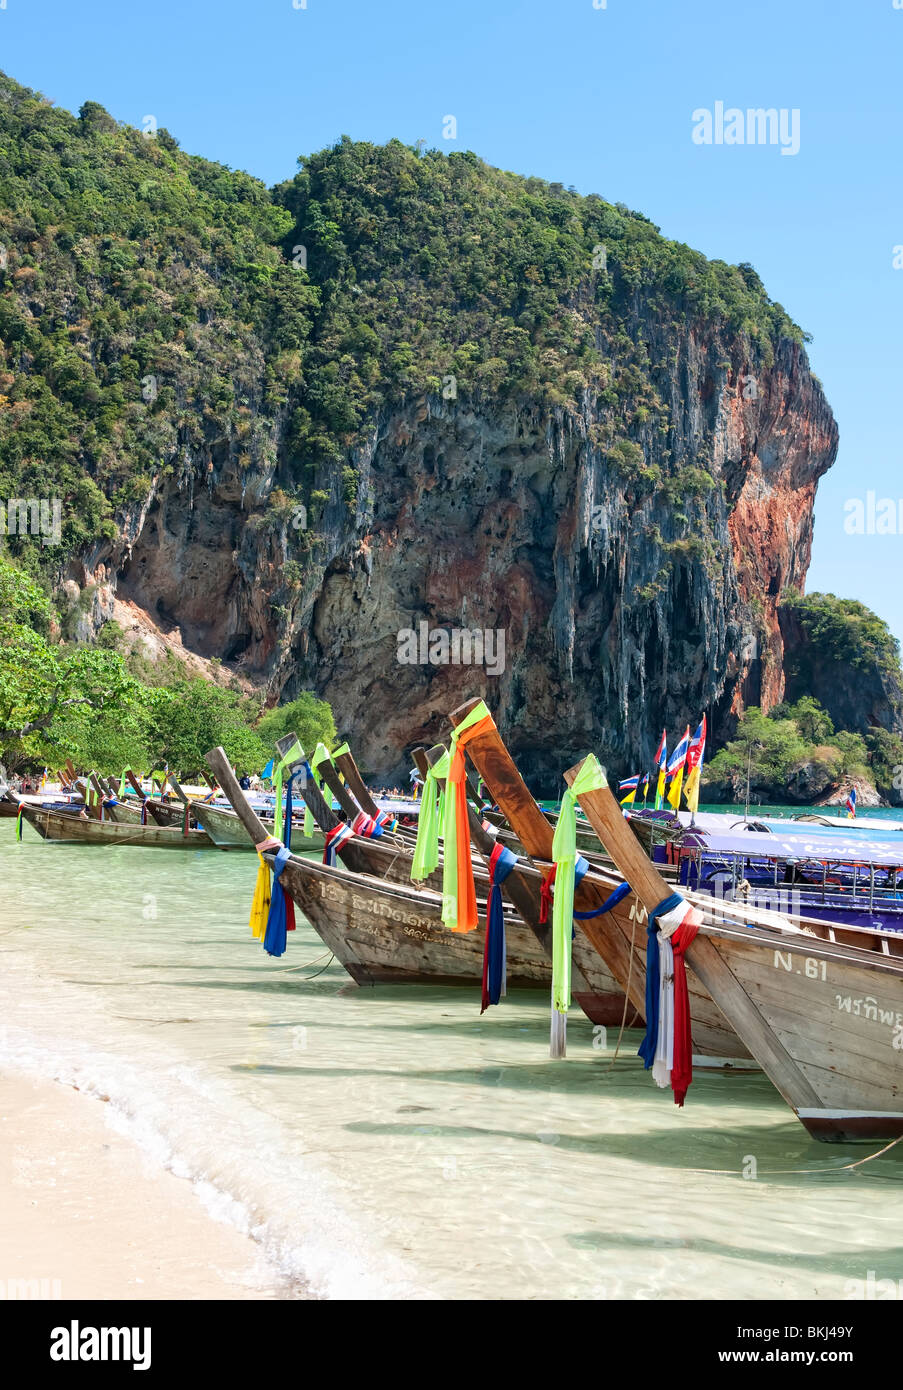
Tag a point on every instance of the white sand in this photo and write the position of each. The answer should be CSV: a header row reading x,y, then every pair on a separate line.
x,y
83,1209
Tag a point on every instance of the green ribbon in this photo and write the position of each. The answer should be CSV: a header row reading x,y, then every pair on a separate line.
x,y
321,754
294,755
564,852
432,805
450,837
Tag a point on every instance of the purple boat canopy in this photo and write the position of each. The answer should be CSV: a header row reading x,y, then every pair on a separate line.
x,y
837,849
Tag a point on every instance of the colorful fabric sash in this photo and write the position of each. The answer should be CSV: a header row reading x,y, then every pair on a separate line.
x,y
281,915
294,755
426,848
564,851
667,1047
459,897
647,1047
501,862
367,826
611,901
335,839
277,921
260,905
682,1071
545,895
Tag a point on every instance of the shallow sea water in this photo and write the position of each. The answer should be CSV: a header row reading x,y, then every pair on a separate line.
x,y
388,1142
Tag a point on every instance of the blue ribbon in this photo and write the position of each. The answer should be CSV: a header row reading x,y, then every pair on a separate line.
x,y
276,932
275,935
611,901
495,928
287,819
647,1047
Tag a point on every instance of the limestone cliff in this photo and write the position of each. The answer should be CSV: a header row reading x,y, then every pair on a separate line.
x,y
623,609
402,388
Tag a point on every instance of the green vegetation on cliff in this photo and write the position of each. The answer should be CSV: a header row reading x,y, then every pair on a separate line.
x,y
156,314
146,311
60,700
845,656
844,630
794,753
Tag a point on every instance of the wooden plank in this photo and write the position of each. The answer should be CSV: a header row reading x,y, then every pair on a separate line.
x,y
174,783
139,792
361,792
219,764
509,791
329,773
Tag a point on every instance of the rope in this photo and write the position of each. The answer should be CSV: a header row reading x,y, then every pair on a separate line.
x,y
775,1172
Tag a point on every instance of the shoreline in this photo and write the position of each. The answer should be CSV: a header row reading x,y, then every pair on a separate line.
x,y
88,1215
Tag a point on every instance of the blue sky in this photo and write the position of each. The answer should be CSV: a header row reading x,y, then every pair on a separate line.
x,y
599,98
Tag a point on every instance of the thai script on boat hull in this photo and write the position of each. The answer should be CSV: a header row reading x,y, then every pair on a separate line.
x,y
870,1008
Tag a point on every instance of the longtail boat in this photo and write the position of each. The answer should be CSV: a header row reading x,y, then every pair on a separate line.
x,y
595,990
384,930
390,948
824,1020
73,828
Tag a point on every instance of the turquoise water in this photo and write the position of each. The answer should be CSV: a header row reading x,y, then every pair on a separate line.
x,y
390,1142
788,812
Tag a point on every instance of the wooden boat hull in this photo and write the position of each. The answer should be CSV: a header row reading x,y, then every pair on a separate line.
x,y
225,829
166,813
70,828
594,988
384,933
824,1020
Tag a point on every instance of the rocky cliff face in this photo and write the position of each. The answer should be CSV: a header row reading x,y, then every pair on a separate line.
x,y
403,388
624,606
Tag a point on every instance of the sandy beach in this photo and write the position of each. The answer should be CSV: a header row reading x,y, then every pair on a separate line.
x,y
85,1214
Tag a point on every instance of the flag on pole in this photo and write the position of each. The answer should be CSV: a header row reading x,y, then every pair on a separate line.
x,y
645,786
661,762
676,769
629,785
851,804
694,766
